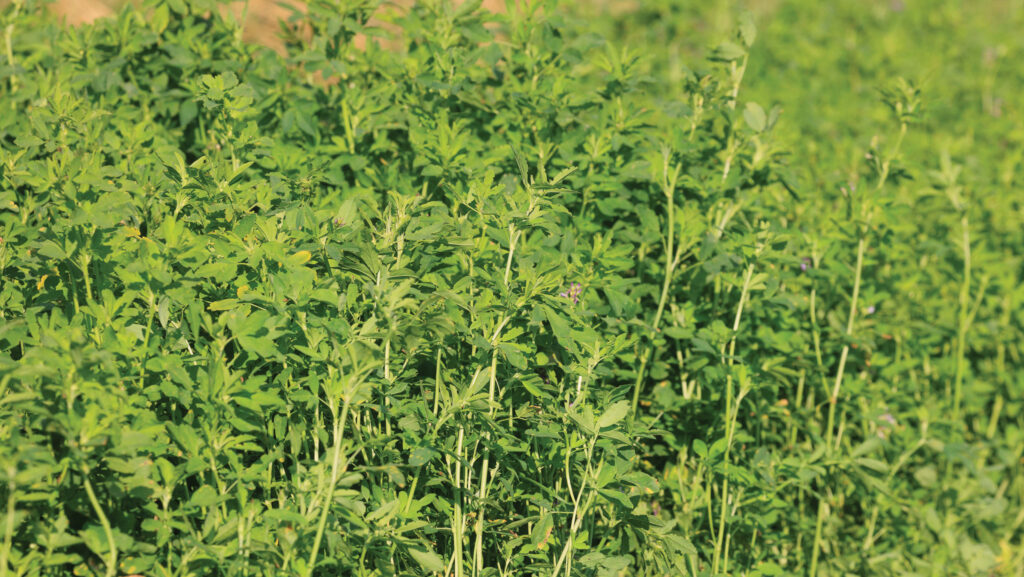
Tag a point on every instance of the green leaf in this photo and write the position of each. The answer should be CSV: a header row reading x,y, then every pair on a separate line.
x,y
755,117
617,497
701,448
27,140
560,328
728,52
613,414
205,496
748,30
429,560
678,544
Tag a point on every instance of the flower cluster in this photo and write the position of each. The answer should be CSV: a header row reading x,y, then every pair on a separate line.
x,y
574,292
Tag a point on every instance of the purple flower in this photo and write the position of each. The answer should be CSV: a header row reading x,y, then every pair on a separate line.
x,y
574,292
888,422
870,310
806,263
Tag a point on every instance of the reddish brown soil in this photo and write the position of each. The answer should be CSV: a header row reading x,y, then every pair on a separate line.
x,y
261,23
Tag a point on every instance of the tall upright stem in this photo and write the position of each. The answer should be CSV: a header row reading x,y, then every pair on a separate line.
x,y
339,431
731,413
963,320
478,549
671,261
9,44
834,397
9,525
457,523
513,237
104,522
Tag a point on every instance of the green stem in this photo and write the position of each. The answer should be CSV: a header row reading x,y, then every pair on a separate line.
x,y
478,550
833,400
513,237
339,430
817,537
844,355
145,340
671,261
738,74
437,381
963,321
387,377
85,277
9,527
578,513
457,522
731,416
9,45
107,530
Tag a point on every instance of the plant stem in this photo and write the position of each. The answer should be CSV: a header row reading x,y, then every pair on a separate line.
x,y
107,530
731,415
844,355
578,513
963,320
457,523
833,400
738,74
9,45
817,537
478,550
671,261
513,237
9,527
339,430
437,381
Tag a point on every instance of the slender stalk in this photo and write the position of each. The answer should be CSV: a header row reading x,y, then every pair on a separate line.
x,y
671,262
578,512
817,537
731,415
145,341
816,335
834,398
9,526
387,377
9,44
84,265
339,430
796,406
513,237
963,321
478,550
738,74
107,530
457,523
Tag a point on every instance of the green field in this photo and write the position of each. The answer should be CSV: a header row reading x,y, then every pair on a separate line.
x,y
594,289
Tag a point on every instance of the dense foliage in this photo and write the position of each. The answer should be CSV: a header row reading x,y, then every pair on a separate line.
x,y
441,291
